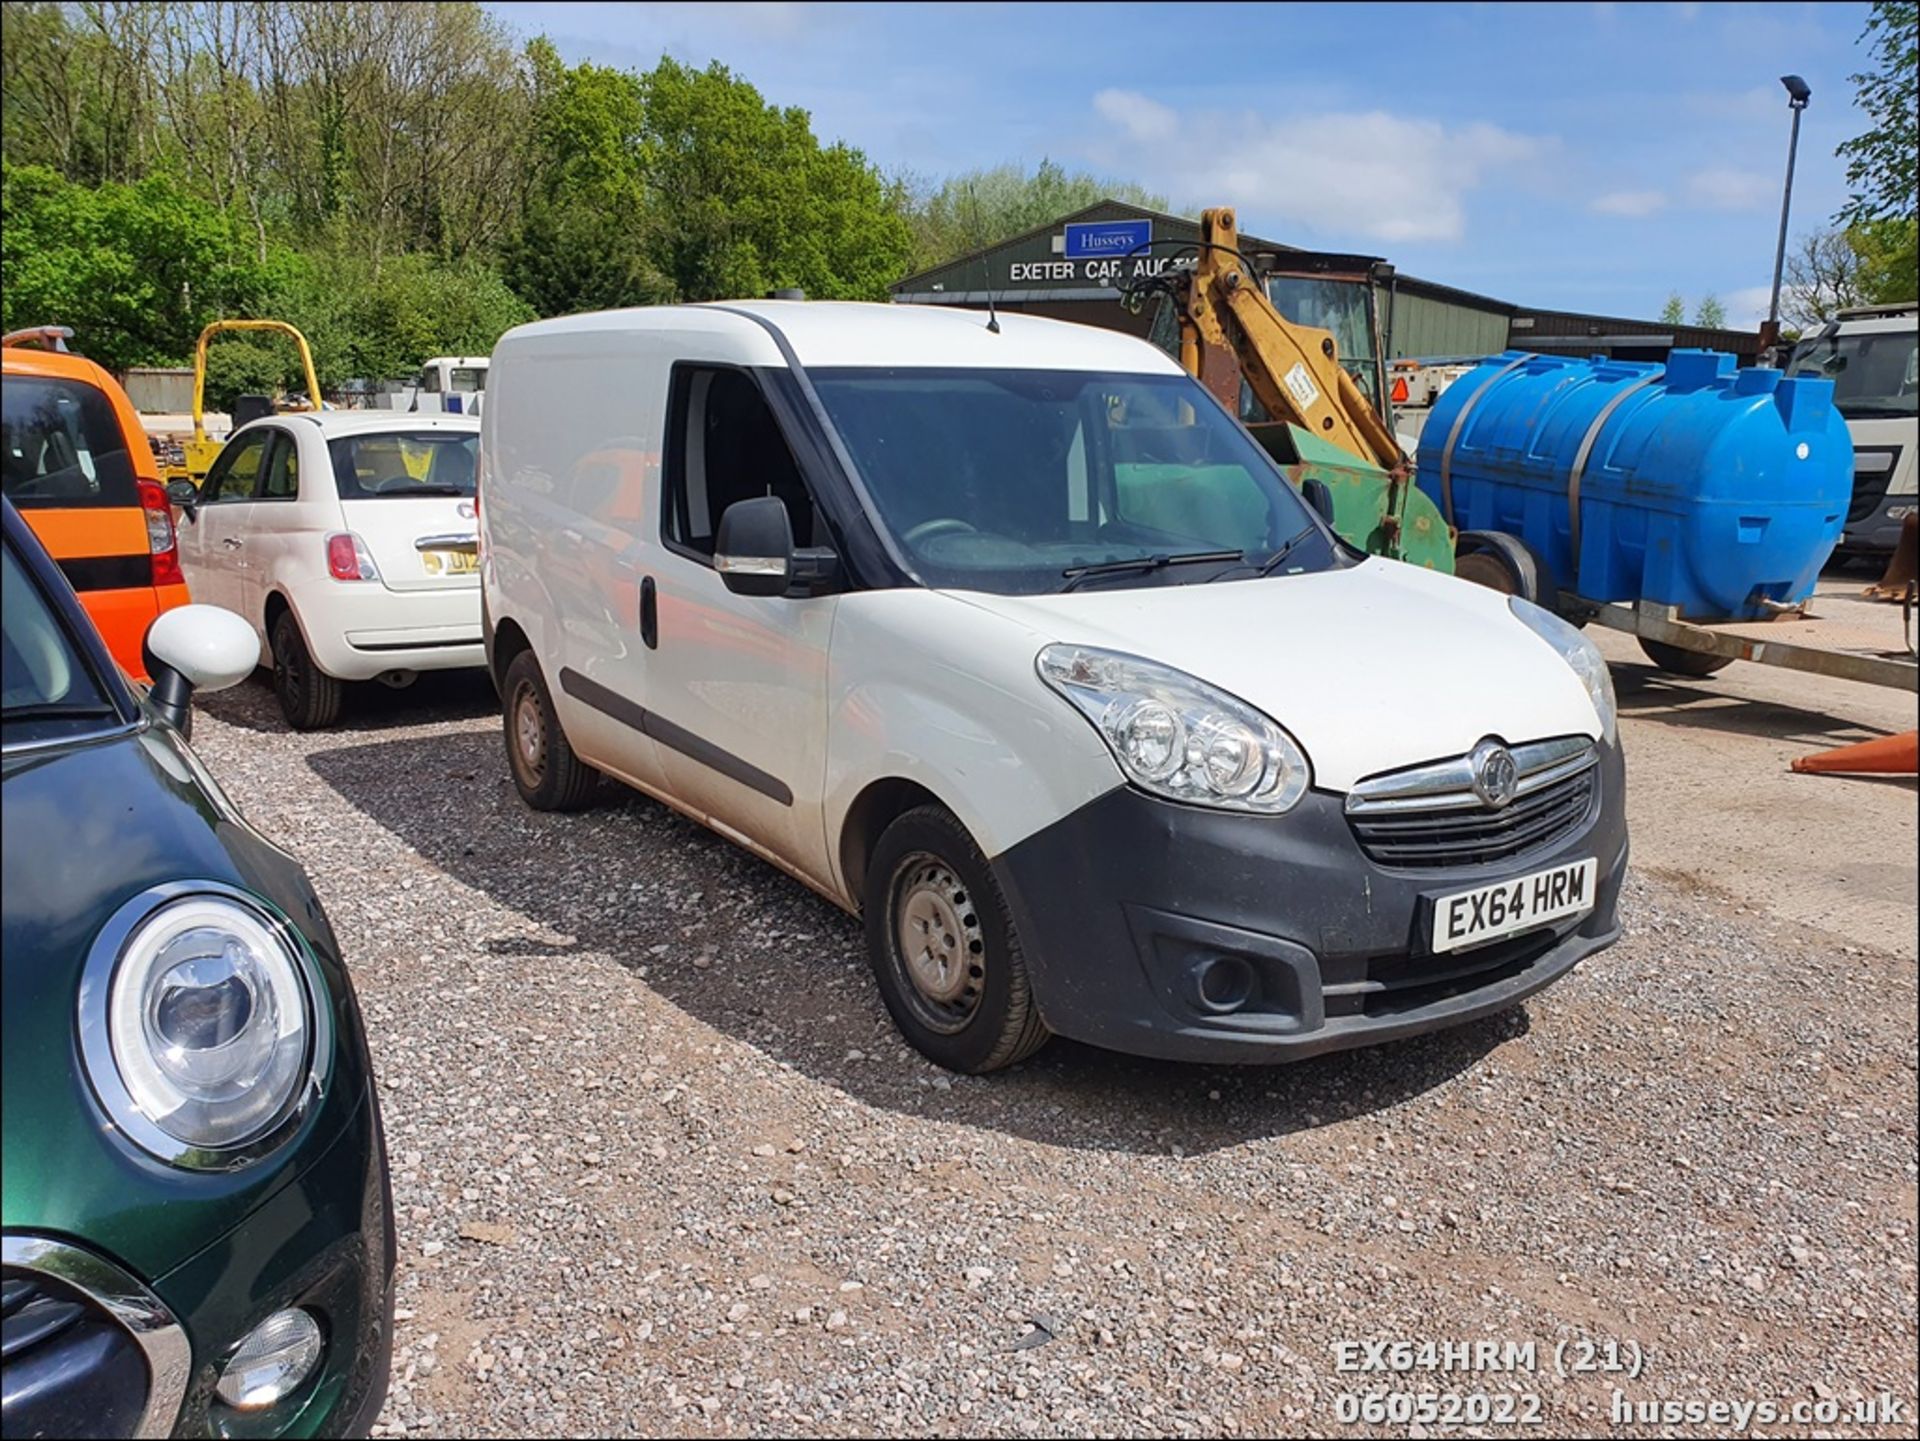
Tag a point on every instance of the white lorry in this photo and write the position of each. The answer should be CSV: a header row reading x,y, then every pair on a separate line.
x,y
446,385
1869,353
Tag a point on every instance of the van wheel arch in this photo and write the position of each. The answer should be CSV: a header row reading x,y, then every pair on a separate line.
x,y
508,641
878,806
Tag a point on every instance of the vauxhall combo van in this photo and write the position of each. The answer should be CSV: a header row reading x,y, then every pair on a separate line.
x,y
1007,638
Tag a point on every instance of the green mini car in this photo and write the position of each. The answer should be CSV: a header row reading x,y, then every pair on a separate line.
x,y
198,1222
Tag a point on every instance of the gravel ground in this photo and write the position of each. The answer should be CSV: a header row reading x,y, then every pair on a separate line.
x,y
661,1165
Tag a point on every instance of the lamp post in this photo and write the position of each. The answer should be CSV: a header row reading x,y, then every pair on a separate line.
x,y
1798,95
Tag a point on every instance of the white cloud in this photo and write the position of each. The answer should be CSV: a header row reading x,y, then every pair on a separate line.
x,y
1747,307
1723,188
1387,177
1139,117
1635,203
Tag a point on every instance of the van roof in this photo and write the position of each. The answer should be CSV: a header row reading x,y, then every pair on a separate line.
x,y
827,333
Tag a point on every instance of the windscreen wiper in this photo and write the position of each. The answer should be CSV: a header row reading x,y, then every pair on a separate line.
x,y
1272,562
1074,574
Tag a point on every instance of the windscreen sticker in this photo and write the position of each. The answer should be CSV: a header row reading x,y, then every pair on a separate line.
x,y
1302,386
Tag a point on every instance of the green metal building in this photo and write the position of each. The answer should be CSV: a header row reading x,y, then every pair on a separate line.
x,y
1073,268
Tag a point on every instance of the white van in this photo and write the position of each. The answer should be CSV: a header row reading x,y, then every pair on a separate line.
x,y
1007,638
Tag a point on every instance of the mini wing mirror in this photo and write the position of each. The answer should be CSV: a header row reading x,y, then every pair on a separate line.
x,y
196,647
186,495
754,549
1318,497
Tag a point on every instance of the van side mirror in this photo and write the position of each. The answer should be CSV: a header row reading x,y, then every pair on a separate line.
x,y
1318,497
196,647
185,494
754,548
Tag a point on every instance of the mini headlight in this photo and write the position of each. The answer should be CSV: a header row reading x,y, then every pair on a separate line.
x,y
1578,652
1177,736
205,1037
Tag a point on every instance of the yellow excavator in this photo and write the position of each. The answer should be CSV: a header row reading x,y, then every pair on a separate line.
x,y
1320,426
199,451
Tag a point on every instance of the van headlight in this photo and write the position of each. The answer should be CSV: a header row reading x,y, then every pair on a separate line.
x,y
1177,736
1580,653
201,1025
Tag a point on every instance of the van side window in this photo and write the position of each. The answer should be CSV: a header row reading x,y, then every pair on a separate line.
x,y
725,445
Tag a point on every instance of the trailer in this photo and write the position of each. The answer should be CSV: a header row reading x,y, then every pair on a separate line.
x,y
1794,639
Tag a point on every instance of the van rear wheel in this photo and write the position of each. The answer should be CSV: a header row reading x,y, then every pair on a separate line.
x,y
546,772
944,949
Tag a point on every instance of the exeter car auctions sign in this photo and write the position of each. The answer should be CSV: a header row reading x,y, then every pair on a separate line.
x,y
1103,252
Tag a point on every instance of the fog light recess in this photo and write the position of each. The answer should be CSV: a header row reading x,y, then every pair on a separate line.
x,y
273,1362
1222,984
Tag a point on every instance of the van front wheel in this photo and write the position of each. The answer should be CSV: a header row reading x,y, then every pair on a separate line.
x,y
944,949
546,772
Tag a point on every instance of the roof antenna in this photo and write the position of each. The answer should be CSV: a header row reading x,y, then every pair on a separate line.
x,y
993,316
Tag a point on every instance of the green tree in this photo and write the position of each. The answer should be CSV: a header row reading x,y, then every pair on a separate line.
x,y
581,242
1881,163
1889,259
1710,312
971,211
136,270
1674,312
742,198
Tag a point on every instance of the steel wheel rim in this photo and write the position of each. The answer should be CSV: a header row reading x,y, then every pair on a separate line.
x,y
939,948
529,733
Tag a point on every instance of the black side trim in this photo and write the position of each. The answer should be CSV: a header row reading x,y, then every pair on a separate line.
x,y
109,572
417,644
679,738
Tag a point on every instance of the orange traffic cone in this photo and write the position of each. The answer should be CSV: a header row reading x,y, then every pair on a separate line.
x,y
1888,756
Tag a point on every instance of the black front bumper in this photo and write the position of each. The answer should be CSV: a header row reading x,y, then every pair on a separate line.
x,y
1122,905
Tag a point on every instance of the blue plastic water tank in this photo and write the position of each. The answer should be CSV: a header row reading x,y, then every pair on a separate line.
x,y
1702,486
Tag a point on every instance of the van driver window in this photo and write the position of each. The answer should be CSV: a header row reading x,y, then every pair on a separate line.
x,y
724,446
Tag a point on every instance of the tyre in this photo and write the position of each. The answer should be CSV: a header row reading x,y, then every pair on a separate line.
x,y
546,772
1675,661
944,949
310,699
1505,563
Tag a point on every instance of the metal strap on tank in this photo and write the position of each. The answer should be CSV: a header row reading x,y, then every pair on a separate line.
x,y
1460,424
1580,464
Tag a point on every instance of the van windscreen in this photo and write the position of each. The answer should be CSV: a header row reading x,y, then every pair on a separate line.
x,y
61,445
1013,481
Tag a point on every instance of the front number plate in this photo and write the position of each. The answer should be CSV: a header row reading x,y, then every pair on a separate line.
x,y
1472,918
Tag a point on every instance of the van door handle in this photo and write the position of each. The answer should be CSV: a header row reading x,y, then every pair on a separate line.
x,y
649,615
230,543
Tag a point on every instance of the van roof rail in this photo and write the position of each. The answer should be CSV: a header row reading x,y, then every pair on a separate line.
x,y
1879,312
49,337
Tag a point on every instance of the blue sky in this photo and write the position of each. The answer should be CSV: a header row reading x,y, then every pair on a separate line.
x,y
1582,156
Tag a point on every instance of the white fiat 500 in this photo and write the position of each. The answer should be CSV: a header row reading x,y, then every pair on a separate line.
x,y
347,539
1011,641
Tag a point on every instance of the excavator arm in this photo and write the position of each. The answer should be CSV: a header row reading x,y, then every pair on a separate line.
x,y
1230,331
